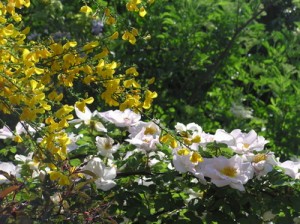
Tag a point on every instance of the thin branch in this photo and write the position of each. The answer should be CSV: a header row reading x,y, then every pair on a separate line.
x,y
224,54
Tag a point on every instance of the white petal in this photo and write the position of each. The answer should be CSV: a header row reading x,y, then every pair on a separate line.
x,y
85,116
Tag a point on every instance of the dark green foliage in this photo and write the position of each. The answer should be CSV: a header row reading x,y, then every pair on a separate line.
x,y
219,63
224,64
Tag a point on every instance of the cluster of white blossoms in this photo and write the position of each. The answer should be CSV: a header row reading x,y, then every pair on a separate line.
x,y
249,158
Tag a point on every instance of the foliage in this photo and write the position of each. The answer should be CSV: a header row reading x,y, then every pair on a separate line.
x,y
212,65
224,67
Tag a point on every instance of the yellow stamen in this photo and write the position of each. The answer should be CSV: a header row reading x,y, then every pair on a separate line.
x,y
259,157
183,152
229,171
246,145
196,157
150,131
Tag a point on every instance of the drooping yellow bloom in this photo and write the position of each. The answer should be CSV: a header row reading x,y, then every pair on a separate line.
x,y
170,140
81,104
86,9
130,36
149,98
131,71
196,157
142,12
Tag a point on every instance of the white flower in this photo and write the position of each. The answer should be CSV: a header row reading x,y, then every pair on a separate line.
x,y
145,142
185,160
247,142
119,118
188,129
22,127
34,166
73,139
104,175
147,128
9,168
145,181
144,135
262,163
156,157
221,136
5,133
233,172
192,194
198,171
206,138
191,134
291,168
86,118
105,146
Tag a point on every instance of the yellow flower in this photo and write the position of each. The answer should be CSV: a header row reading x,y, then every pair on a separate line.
x,y
65,110
183,152
130,36
90,46
131,83
142,12
131,70
114,36
196,157
86,9
170,140
148,99
70,44
81,104
61,178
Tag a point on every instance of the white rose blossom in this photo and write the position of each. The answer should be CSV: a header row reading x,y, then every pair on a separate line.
x,y
106,147
145,136
6,133
73,139
10,169
191,134
262,163
119,118
86,118
247,142
221,136
291,168
104,175
185,160
233,172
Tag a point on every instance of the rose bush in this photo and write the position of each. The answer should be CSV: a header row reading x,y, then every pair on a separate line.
x,y
61,162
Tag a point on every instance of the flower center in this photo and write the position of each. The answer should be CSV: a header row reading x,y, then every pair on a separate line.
x,y
183,152
259,157
246,145
150,131
229,171
196,157
107,145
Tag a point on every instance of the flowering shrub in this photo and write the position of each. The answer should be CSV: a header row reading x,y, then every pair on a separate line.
x,y
119,165
100,153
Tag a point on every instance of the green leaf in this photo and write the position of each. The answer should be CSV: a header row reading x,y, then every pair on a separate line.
x,y
75,162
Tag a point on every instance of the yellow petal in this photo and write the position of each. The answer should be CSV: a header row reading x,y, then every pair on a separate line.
x,y
86,9
142,12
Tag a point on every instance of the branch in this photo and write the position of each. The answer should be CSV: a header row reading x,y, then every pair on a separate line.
x,y
224,54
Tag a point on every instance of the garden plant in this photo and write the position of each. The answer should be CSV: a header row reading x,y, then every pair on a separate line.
x,y
140,111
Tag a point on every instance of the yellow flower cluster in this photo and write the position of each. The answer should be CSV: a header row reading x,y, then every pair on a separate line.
x,y
35,76
135,5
